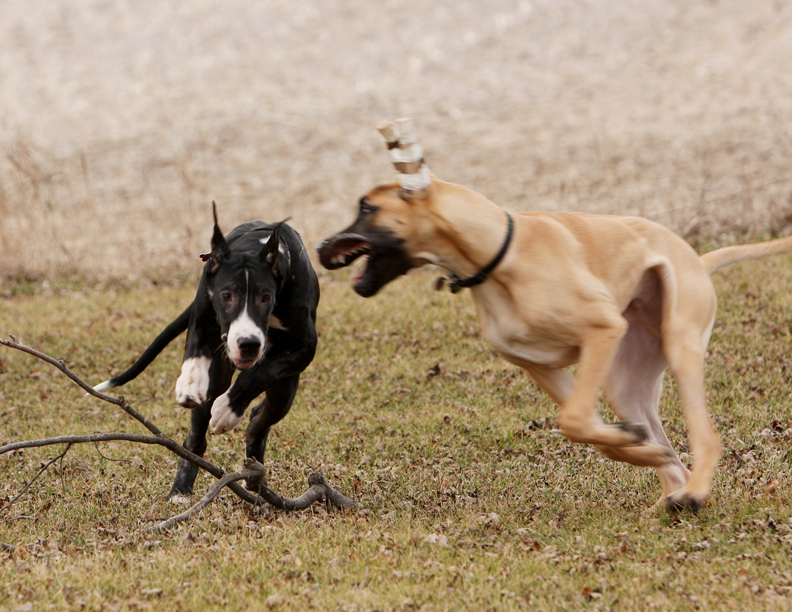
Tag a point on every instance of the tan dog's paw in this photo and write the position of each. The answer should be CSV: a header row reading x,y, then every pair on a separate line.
x,y
643,455
593,431
681,500
637,430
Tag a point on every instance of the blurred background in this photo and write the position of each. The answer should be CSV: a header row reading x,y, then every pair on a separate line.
x,y
121,120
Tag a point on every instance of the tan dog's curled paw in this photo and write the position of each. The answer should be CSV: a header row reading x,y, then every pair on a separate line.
x,y
645,455
637,430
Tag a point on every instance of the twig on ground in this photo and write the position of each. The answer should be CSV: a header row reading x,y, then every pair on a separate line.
x,y
103,456
206,500
40,472
319,488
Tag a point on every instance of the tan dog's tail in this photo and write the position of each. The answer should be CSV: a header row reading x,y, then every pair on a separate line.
x,y
732,254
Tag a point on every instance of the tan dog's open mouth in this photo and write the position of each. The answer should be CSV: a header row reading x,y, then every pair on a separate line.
x,y
341,250
386,258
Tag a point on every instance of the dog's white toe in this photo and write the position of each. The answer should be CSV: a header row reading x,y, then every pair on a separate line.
x,y
223,418
192,386
180,499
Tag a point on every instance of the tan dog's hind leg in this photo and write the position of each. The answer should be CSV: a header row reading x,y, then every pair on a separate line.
x,y
687,365
634,386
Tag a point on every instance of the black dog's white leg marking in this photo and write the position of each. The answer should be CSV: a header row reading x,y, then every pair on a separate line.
x,y
193,383
223,418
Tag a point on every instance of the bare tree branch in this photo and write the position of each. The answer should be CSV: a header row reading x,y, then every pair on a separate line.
x,y
59,363
319,489
171,445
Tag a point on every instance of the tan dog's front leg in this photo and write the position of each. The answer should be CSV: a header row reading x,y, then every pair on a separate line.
x,y
579,419
558,384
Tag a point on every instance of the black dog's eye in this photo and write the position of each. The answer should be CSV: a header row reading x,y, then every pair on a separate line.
x,y
227,296
265,298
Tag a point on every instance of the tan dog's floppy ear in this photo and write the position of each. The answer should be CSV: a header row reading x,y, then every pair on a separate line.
x,y
407,157
219,246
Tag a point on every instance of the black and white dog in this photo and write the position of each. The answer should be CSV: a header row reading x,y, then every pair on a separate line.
x,y
255,311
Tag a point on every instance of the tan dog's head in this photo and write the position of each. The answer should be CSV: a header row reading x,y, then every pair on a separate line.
x,y
389,224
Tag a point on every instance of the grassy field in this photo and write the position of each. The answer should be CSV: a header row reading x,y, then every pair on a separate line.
x,y
472,499
120,122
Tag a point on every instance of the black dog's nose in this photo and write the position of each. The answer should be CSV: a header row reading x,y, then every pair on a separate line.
x,y
249,346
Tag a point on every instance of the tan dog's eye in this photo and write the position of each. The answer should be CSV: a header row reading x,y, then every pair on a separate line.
x,y
366,208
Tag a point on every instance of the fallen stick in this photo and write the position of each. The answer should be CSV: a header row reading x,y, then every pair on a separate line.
x,y
319,488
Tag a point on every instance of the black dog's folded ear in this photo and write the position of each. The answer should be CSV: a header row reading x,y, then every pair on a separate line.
x,y
219,246
270,252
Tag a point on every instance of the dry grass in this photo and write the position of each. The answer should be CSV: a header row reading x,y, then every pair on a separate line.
x,y
121,122
473,500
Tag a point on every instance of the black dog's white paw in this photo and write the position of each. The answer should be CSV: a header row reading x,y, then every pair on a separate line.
x,y
223,418
182,500
192,386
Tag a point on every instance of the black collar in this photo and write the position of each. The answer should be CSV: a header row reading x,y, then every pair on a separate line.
x,y
456,284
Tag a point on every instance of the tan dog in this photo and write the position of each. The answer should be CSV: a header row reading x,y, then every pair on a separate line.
x,y
624,297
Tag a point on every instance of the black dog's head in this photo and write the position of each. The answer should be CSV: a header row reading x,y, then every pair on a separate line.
x,y
244,275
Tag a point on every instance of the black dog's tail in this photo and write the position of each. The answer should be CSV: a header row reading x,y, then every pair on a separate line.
x,y
164,339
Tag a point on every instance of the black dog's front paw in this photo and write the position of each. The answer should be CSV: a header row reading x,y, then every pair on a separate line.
x,y
193,382
179,497
224,417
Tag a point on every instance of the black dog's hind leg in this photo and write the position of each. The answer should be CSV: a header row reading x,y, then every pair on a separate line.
x,y
275,406
221,373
